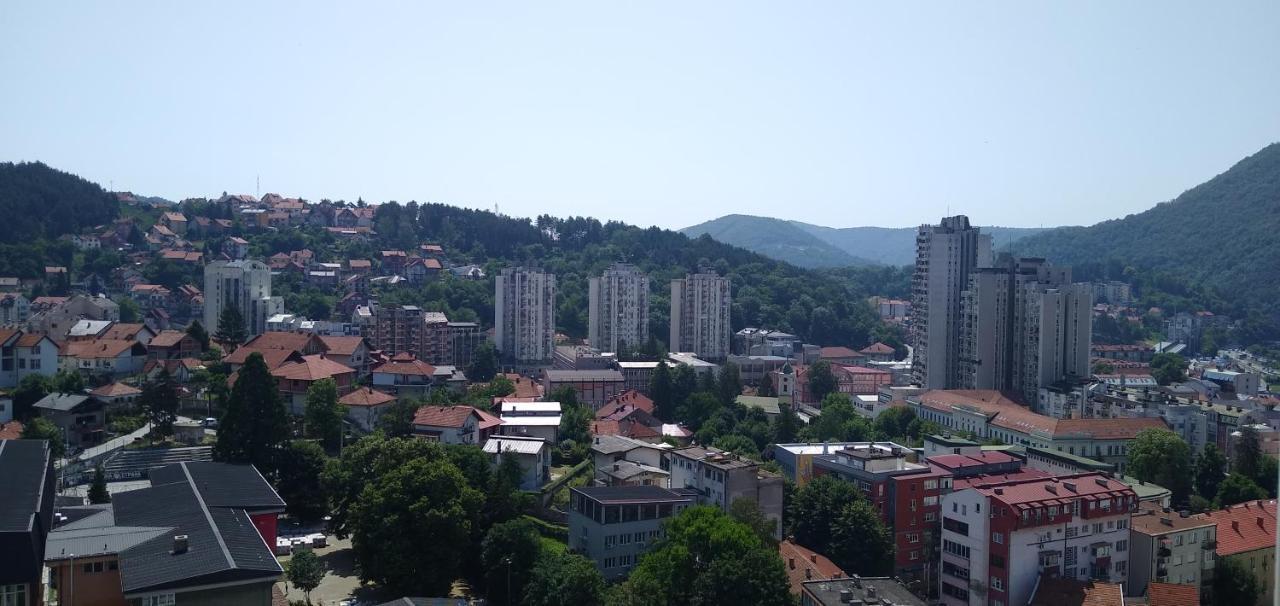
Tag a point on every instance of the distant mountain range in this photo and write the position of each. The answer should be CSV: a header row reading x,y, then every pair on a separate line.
x,y
814,246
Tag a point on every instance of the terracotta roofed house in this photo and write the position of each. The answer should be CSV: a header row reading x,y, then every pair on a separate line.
x,y
454,424
366,405
1247,534
295,378
840,355
804,564
173,344
351,351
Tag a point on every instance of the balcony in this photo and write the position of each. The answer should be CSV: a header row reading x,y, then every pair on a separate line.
x,y
1209,545
1164,552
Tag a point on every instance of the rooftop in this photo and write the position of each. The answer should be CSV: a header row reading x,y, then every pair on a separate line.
x,y
342,346
443,416
715,457
1005,413
768,404
515,444
555,375
366,396
1059,488
630,494
115,390
838,352
1249,526
804,564
1070,592
311,368
23,465
61,401
1169,594
1151,520
883,589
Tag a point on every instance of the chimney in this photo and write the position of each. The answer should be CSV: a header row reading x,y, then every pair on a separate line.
x,y
846,596
1261,523
179,543
1235,525
808,573
871,591
791,563
813,557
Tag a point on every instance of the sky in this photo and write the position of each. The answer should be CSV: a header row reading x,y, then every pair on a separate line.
x,y
653,113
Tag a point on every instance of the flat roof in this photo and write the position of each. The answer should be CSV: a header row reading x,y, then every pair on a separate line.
x,y
630,494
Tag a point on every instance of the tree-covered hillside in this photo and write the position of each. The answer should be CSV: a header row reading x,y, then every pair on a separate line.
x,y
40,202
1220,235
776,239
825,308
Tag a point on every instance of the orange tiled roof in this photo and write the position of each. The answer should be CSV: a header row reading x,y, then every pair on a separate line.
x,y
294,341
443,416
366,396
311,368
1070,592
28,340
167,338
96,348
627,398
405,365
838,352
342,346
1248,526
798,559
1007,414
1170,594
272,357
877,348
115,390
11,430
525,387
121,330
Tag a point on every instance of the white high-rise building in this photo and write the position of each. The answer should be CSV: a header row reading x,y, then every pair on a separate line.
x,y
946,254
618,308
524,310
244,284
700,316
1024,326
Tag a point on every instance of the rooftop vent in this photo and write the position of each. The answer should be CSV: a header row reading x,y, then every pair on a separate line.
x,y
179,543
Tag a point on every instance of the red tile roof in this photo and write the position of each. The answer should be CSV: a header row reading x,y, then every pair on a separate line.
x,y
8,333
444,416
403,364
1033,491
1007,414
987,479
1248,526
1169,594
312,368
1070,592
28,340
629,398
115,390
342,346
1108,429
96,348
877,348
799,559
167,338
838,352
295,341
959,461
124,331
366,396
625,427
525,387
487,420
11,430
273,357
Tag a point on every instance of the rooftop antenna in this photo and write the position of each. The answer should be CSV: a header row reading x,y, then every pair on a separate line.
x,y
257,186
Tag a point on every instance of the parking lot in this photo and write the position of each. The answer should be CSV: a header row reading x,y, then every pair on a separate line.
x,y
340,581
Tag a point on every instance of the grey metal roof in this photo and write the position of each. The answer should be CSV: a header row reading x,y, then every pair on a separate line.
x,y
61,401
611,444
583,375
630,494
83,542
624,470
23,465
222,484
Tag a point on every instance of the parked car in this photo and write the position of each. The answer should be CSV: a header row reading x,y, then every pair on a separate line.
x,y
283,546
211,423
318,539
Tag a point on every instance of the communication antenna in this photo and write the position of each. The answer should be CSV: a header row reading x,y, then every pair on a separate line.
x,y
257,186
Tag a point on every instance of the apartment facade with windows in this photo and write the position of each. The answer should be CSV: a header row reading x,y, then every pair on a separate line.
x,y
946,255
700,305
618,308
524,315
614,526
246,285
1170,547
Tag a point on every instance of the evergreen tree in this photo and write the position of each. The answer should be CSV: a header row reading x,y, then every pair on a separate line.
x,y
197,332
1209,471
98,488
860,542
255,425
231,328
765,387
822,382
484,363
159,400
785,425
299,480
729,383
1238,488
1248,455
31,389
662,392
323,414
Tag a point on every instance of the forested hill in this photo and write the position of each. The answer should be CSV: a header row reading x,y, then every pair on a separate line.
x,y
824,307
776,239
41,202
1223,234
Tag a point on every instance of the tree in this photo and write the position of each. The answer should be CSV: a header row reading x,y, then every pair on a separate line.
x,y
1268,475
44,429
860,542
895,424
255,426
503,498
1209,469
1169,368
1234,584
575,430
129,310
305,571
764,387
397,421
421,502
1248,456
662,391
68,381
370,457
747,511
785,425
196,331
821,380
815,508
299,480
698,409
509,553
1238,488
564,578
98,488
838,421
231,328
1161,457
729,383
159,400
323,414
708,558
484,363
31,389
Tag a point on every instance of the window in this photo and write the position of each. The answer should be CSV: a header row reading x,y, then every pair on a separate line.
x,y
1122,566
959,572
158,600
1122,546
955,526
1097,528
955,592
1177,540
930,484
1053,511
915,555
35,364
997,561
113,565
13,595
930,501
997,583
22,363
87,568
639,537
997,538
931,516
611,562
913,537
955,549
1122,524
624,538
610,541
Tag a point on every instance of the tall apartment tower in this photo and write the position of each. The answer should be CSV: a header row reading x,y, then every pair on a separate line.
x,y
1024,326
618,308
700,316
398,329
524,310
245,284
946,254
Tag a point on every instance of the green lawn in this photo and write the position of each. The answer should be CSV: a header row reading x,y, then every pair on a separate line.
x,y
553,546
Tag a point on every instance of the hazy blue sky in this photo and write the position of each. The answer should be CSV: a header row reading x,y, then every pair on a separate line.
x,y
838,113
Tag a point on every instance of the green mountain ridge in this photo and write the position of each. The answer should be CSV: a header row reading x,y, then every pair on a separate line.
x,y
817,246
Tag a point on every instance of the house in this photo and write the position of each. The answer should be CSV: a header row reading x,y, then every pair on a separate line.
x,y
276,348
199,534
81,418
614,526
359,266
349,351
26,517
419,270
454,424
110,357
175,221
172,345
1170,547
720,478
23,354
840,355
877,352
393,261
1056,591
87,330
858,590
129,331
643,460
296,377
534,455
804,564
365,406
594,387
405,375
536,419
116,394
14,309
182,370
1247,534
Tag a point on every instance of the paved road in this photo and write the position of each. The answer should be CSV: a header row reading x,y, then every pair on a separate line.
x,y
340,581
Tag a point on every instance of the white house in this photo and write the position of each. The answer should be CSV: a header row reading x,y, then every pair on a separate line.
x,y
532,419
534,455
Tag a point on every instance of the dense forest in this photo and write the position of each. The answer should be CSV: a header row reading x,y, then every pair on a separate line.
x,y
824,307
1212,247
40,202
